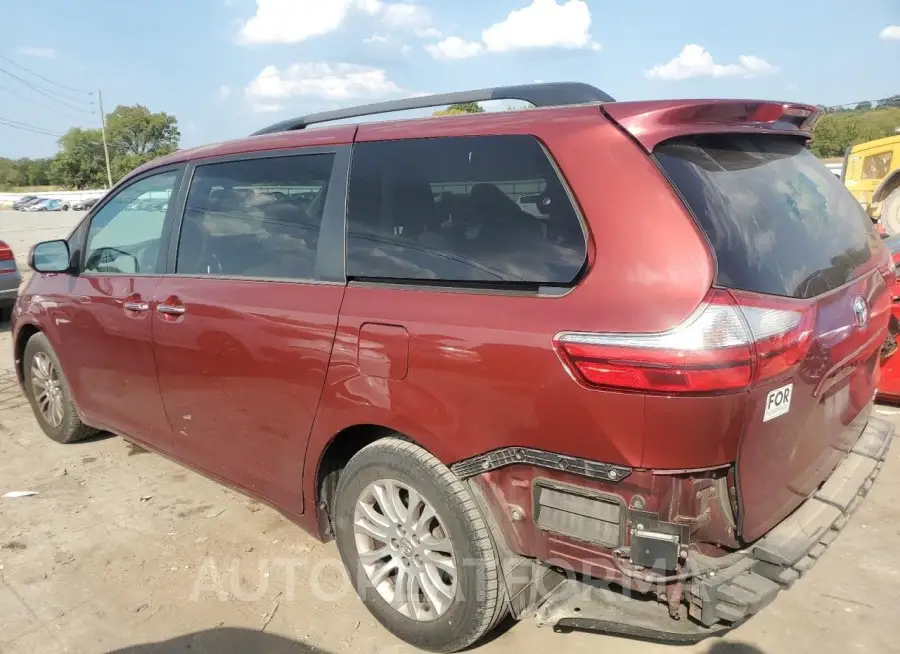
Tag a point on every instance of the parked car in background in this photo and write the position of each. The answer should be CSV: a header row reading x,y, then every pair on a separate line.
x,y
9,281
85,205
872,174
36,205
24,201
495,411
47,205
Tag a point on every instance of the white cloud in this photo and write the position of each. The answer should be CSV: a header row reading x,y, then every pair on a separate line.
x,y
454,47
371,7
428,32
375,38
405,50
405,14
45,53
542,24
890,33
755,67
224,92
293,21
322,80
695,61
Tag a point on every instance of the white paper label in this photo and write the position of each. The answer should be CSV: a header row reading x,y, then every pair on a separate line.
x,y
778,402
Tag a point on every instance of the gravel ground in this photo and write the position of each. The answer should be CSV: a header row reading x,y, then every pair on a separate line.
x,y
124,551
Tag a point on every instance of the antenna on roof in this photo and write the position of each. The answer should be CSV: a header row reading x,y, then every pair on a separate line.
x,y
553,94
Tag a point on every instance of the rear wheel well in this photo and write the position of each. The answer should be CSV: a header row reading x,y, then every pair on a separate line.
x,y
340,450
25,335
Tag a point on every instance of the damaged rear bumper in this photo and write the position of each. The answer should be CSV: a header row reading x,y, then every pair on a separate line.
x,y
722,599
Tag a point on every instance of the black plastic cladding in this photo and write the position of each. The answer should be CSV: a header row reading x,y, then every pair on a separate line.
x,y
554,94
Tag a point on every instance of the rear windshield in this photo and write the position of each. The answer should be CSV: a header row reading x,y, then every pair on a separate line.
x,y
779,221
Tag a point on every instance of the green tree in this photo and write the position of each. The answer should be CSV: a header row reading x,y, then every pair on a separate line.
x,y
460,108
24,172
864,106
135,135
837,131
36,172
80,163
10,175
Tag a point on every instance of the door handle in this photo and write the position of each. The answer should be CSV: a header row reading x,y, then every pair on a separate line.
x,y
170,310
139,307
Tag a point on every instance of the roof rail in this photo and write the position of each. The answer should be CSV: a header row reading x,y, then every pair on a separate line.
x,y
552,94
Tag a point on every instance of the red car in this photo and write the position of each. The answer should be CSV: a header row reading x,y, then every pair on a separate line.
x,y
889,388
9,281
652,389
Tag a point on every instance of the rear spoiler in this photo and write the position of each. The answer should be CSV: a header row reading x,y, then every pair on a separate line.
x,y
653,122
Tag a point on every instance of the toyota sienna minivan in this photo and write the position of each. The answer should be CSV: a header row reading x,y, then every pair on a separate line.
x,y
641,404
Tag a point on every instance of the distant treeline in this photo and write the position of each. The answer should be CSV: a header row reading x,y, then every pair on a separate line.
x,y
137,135
842,127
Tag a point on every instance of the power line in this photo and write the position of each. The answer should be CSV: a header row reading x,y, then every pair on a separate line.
x,y
46,79
854,104
47,93
35,102
28,128
17,123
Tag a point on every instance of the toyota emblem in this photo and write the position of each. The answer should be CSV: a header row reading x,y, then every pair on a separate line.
x,y
861,311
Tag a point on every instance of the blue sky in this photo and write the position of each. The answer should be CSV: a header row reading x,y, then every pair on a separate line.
x,y
227,67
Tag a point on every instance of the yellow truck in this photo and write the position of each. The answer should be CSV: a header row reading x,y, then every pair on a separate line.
x,y
871,173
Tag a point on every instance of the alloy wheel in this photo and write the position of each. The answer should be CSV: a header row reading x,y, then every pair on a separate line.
x,y
405,550
47,387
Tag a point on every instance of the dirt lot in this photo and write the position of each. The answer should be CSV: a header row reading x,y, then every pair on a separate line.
x,y
124,551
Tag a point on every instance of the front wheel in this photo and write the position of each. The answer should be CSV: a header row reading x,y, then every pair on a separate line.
x,y
417,547
49,393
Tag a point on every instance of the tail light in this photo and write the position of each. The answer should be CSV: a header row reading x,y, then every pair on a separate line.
x,y
731,341
7,260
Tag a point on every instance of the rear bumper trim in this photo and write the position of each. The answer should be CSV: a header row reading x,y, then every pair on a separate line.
x,y
791,539
724,599
578,605
787,552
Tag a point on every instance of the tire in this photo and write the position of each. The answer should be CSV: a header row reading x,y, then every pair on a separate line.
x,y
5,313
69,428
890,213
460,623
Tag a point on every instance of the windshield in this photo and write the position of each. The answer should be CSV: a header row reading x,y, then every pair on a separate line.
x,y
779,221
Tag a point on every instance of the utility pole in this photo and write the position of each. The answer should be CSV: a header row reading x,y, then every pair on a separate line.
x,y
103,130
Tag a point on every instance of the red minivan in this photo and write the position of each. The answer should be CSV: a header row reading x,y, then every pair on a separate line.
x,y
606,364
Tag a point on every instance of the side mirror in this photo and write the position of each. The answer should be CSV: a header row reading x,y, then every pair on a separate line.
x,y
50,257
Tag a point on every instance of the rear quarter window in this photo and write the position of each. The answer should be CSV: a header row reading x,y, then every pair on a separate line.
x,y
778,220
461,210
